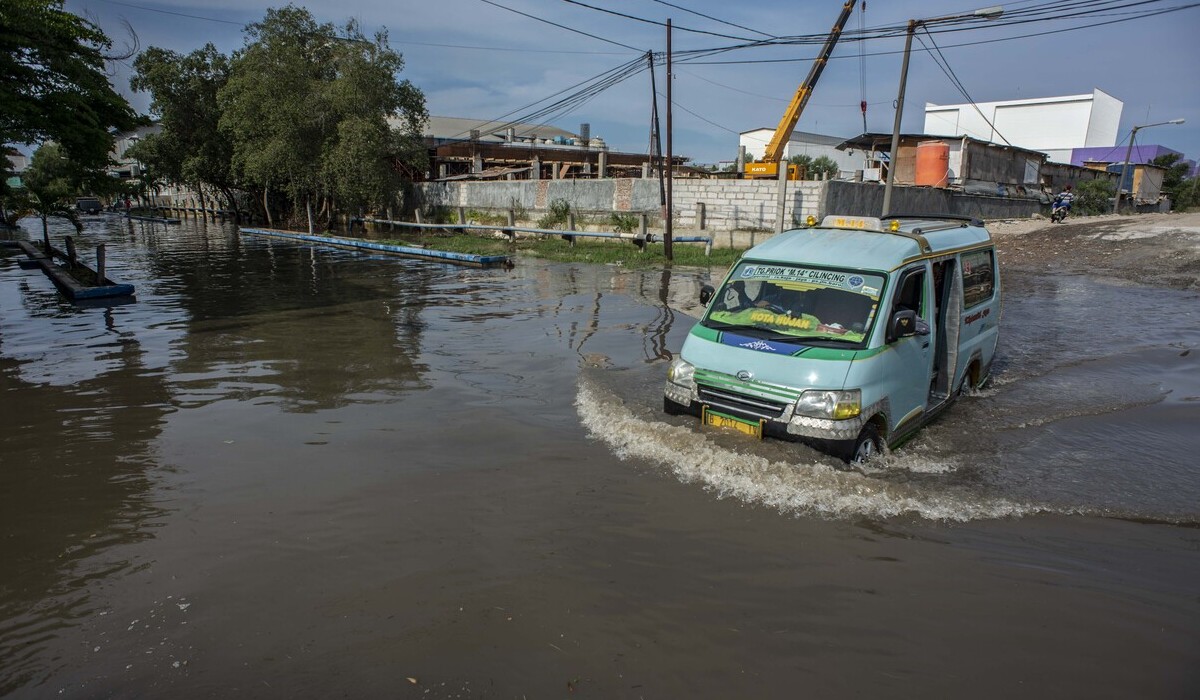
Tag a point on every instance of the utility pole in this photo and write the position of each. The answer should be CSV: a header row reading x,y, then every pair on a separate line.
x,y
670,157
913,24
1125,165
656,140
891,175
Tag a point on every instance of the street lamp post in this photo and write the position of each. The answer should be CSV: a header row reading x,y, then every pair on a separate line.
x,y
1125,165
985,13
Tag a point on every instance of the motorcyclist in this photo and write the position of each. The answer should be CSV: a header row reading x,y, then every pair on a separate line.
x,y
1063,200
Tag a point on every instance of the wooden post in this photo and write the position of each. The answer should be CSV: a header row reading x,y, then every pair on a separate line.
x,y
70,252
101,279
570,226
700,214
643,223
462,217
512,217
417,212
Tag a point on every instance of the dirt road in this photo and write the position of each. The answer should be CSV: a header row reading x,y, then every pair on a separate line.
x,y
1154,249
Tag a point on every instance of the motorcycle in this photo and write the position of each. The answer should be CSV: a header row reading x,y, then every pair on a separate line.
x,y
1058,210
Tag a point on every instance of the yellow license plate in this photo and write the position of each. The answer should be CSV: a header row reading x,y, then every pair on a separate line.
x,y
720,420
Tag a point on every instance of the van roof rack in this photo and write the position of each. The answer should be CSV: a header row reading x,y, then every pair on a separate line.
x,y
973,221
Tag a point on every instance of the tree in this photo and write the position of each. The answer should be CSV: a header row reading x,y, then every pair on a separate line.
x,y
50,182
1094,197
369,155
307,112
1176,184
190,149
52,82
825,168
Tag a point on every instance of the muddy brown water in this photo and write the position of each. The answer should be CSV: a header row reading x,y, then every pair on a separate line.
x,y
294,472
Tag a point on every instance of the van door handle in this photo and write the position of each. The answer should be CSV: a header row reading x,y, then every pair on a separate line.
x,y
925,344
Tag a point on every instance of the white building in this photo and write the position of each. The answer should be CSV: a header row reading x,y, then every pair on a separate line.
x,y
1053,125
802,143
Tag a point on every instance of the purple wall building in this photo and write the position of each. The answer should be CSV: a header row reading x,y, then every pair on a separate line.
x,y
1140,154
1116,154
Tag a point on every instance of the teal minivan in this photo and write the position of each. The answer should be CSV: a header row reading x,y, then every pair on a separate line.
x,y
849,335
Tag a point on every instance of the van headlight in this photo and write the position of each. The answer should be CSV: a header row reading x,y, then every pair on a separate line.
x,y
682,373
838,405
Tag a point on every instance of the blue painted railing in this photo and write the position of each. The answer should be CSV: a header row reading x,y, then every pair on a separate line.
x,y
408,251
638,239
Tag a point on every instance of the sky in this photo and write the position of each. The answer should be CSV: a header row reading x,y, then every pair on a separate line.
x,y
484,59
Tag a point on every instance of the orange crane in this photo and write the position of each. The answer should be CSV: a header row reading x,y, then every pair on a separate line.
x,y
768,166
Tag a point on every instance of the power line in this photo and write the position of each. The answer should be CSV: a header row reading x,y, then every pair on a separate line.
x,y
588,89
651,21
563,26
768,97
398,41
676,104
942,63
720,21
175,14
1143,15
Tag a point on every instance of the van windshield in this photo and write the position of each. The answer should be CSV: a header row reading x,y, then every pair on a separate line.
x,y
797,302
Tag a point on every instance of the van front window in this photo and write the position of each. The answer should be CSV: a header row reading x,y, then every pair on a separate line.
x,y
797,302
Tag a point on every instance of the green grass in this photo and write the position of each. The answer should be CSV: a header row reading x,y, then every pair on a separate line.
x,y
554,248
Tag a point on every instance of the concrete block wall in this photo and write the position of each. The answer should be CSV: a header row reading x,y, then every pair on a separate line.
x,y
743,205
728,205
735,212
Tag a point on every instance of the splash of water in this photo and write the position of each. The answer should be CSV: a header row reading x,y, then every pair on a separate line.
x,y
795,488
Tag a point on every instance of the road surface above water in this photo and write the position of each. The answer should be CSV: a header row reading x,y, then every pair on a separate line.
x,y
297,472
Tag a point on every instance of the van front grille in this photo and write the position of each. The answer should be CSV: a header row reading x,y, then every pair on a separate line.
x,y
741,404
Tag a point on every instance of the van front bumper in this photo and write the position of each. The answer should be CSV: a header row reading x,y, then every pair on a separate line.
x,y
784,424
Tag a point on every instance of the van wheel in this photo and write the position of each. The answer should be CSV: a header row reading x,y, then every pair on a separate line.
x,y
866,447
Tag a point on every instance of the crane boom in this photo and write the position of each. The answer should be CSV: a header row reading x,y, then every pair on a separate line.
x,y
769,166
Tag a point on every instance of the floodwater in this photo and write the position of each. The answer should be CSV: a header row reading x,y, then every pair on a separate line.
x,y
296,472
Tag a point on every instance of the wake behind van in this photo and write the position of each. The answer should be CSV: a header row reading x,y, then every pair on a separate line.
x,y
849,335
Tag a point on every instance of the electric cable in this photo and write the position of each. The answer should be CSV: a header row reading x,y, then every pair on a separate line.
x,y
1143,15
562,26
651,21
940,60
720,21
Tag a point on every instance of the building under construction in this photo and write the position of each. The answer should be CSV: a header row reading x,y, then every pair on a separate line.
x,y
468,149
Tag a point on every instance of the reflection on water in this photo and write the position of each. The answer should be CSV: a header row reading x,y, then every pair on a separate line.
x,y
278,444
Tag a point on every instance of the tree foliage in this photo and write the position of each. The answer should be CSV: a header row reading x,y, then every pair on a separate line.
x,y
49,184
1176,184
1094,197
190,149
319,114
815,168
52,82
824,167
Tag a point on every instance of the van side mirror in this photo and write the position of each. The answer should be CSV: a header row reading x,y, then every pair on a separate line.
x,y
904,324
706,294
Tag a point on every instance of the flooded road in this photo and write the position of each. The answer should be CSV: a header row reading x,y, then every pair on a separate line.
x,y
297,472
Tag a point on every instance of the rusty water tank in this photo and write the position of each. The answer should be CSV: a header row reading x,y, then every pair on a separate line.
x,y
933,164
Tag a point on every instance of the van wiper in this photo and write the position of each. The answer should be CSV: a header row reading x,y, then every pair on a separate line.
x,y
722,326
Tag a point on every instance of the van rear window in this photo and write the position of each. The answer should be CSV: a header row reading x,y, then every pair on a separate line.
x,y
979,277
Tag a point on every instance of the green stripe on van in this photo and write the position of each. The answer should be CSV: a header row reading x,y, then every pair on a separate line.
x,y
809,352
